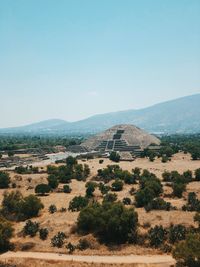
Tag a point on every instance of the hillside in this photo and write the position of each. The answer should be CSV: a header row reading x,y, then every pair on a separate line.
x,y
175,116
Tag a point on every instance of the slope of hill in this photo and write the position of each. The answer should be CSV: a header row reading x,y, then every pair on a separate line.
x,y
176,116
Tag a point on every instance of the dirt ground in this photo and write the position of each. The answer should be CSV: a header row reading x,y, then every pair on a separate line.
x,y
53,259
65,221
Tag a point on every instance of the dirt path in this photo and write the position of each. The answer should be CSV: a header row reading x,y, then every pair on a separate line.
x,y
165,260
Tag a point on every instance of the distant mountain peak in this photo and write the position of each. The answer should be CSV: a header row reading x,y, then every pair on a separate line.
x,y
175,116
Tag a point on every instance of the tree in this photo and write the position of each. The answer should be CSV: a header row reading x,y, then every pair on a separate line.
x,y
197,175
144,196
177,233
43,233
117,185
30,207
126,201
104,188
158,204
157,236
71,161
114,156
110,197
58,240
188,175
178,189
90,188
52,209
67,189
78,203
31,228
4,180
111,222
6,233
187,252
17,207
42,189
52,181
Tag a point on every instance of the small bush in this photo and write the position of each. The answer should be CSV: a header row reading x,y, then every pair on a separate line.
x,y
111,222
58,240
43,233
177,233
67,189
42,189
178,189
52,181
31,228
4,180
197,175
104,188
90,188
187,252
126,201
110,197
114,156
78,203
52,209
83,244
6,233
71,248
117,185
157,236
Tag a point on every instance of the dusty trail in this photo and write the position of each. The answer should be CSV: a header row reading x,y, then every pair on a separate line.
x,y
164,260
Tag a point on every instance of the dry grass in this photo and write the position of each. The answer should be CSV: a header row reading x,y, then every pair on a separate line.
x,y
65,221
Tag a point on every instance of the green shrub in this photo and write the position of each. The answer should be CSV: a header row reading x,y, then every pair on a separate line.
x,y
197,175
58,240
67,189
83,244
110,197
178,189
103,188
42,189
111,222
144,196
177,233
158,204
4,180
52,209
31,228
126,201
117,185
90,188
71,248
157,236
187,252
78,203
52,181
114,156
6,233
43,233
17,207
193,204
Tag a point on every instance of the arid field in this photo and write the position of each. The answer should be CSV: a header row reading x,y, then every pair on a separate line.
x,y
66,221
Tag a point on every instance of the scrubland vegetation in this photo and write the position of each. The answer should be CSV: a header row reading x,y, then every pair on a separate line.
x,y
109,206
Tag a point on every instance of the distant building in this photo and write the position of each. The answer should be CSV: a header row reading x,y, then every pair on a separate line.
x,y
128,140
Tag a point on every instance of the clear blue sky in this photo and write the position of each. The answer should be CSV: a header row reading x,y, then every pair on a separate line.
x,y
74,58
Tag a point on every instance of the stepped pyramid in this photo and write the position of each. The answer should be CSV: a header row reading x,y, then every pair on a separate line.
x,y
128,138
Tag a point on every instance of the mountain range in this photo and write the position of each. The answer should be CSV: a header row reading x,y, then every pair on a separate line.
x,y
181,115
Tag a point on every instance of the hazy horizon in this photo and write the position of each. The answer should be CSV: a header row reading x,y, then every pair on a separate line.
x,y
74,59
